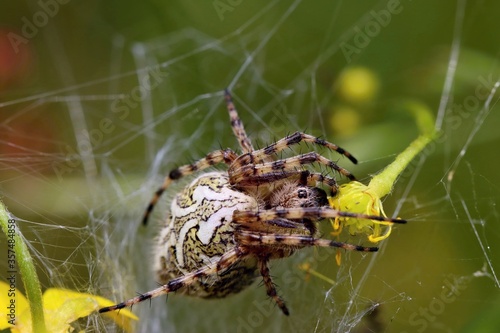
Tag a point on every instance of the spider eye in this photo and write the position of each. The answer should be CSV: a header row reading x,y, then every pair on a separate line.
x,y
302,194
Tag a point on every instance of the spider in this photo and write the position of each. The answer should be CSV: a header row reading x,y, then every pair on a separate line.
x,y
225,227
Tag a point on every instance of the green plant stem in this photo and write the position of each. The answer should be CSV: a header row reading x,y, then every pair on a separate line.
x,y
28,272
382,184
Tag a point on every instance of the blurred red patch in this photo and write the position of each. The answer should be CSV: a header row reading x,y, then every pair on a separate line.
x,y
16,59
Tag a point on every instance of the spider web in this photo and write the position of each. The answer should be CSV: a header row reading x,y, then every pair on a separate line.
x,y
103,100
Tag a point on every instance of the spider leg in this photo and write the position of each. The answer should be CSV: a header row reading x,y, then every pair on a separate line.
x,y
294,241
280,224
237,125
313,178
223,263
294,139
247,173
269,284
219,156
309,178
313,213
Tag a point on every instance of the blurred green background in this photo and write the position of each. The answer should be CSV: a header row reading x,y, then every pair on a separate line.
x,y
85,141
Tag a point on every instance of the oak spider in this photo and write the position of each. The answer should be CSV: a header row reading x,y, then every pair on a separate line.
x,y
225,226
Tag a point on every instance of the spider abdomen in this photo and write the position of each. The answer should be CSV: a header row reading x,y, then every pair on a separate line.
x,y
199,231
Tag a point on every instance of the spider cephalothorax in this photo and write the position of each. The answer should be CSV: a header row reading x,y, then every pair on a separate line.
x,y
225,226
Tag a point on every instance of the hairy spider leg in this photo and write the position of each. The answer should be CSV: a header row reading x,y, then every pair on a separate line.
x,y
256,238
249,239
315,213
313,178
226,156
219,156
269,284
296,138
226,261
237,124
243,172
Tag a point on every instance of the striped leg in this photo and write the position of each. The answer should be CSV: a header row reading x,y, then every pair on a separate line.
x,y
307,178
246,173
224,262
296,138
237,125
313,213
226,156
294,241
270,287
313,178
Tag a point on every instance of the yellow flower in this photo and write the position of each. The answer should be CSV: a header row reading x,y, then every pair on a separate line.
x,y
355,197
61,307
